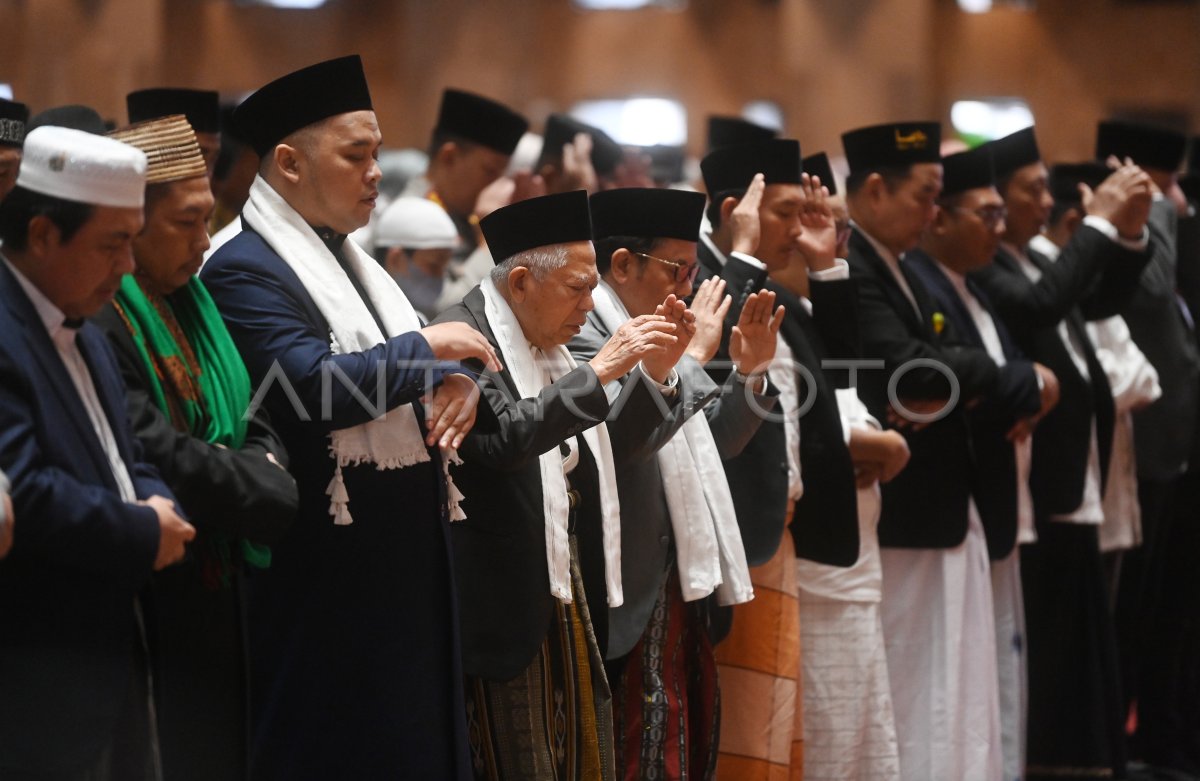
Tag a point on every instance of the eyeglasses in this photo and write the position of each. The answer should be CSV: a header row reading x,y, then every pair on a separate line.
x,y
683,271
990,216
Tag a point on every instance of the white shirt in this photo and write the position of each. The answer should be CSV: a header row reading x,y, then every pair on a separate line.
x,y
64,341
863,581
1091,509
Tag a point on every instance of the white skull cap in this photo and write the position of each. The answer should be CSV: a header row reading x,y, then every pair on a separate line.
x,y
78,166
415,223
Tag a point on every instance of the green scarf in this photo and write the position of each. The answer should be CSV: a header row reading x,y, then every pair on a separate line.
x,y
209,403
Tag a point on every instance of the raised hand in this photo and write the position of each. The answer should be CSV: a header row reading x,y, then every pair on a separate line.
x,y
634,341
1123,198
659,365
743,220
497,194
752,343
709,305
819,239
527,185
577,170
458,342
450,413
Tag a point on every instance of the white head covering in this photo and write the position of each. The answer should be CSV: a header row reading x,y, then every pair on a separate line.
x,y
415,223
78,166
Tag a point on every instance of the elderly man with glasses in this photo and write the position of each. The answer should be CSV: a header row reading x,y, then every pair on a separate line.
x,y
680,541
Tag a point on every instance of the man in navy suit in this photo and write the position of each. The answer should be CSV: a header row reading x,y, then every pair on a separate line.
x,y
355,656
964,237
95,520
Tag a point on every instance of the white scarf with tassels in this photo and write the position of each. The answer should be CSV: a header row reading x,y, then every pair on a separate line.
x,y
393,440
531,374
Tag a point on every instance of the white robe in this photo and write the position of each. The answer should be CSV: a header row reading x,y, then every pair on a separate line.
x,y
940,636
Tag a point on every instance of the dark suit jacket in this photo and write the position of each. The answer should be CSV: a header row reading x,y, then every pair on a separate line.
x,y
646,531
500,549
825,522
1062,439
194,631
1164,432
926,505
67,629
235,492
1016,396
353,628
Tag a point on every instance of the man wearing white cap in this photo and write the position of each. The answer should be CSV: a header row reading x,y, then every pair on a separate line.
x,y
96,521
415,241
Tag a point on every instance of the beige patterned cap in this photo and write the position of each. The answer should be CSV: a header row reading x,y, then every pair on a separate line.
x,y
170,146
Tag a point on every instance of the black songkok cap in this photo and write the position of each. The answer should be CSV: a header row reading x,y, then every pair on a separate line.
x,y
1014,151
1149,146
734,131
561,130
201,107
75,116
561,218
734,167
481,120
666,162
301,98
13,118
645,212
894,145
1065,179
969,170
818,165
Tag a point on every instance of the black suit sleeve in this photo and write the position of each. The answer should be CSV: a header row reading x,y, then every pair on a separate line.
x,y
886,335
510,433
235,492
835,316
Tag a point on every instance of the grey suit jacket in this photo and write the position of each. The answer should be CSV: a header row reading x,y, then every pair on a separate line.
x,y
646,536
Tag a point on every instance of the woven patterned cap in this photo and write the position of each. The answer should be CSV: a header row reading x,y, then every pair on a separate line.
x,y
170,147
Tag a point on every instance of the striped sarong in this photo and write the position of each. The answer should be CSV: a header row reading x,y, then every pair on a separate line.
x,y
666,704
553,722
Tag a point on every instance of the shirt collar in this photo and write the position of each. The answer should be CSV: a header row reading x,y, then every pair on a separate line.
x,y
51,316
888,256
706,238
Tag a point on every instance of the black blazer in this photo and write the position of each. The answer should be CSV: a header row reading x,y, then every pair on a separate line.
x,y
68,642
825,523
1016,396
505,603
1062,440
236,492
926,505
1164,432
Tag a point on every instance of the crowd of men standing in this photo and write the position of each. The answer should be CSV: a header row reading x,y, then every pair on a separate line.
x,y
552,471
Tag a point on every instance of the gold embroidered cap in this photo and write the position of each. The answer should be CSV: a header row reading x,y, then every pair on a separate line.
x,y
894,145
170,146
